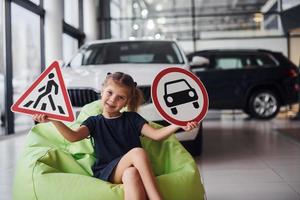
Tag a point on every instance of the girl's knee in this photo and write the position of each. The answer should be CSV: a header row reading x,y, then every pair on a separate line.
x,y
130,174
139,158
138,152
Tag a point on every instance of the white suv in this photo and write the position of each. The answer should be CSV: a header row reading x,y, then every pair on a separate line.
x,y
142,59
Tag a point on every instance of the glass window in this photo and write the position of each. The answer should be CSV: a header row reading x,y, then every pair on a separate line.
x,y
70,47
130,52
76,60
1,38
26,50
263,61
1,63
116,8
71,12
287,4
228,63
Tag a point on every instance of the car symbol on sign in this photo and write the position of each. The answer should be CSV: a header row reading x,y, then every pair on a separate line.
x,y
179,92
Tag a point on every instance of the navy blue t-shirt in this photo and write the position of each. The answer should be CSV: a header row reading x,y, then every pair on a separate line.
x,y
113,138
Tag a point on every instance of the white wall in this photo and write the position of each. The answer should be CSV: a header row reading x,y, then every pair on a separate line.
x,y
295,47
1,38
187,46
275,44
263,39
295,50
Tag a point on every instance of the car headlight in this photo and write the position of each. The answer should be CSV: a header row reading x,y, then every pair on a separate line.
x,y
191,93
170,99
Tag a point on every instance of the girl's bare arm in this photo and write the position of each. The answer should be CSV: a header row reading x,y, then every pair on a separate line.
x,y
69,134
163,133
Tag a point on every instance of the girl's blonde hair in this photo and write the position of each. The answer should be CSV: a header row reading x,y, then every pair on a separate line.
x,y
136,97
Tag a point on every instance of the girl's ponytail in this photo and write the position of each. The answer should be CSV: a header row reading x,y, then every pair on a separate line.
x,y
136,100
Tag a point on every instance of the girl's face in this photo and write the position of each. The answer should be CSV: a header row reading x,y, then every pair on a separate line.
x,y
114,98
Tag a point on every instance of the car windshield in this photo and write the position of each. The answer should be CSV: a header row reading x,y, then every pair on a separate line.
x,y
129,52
176,87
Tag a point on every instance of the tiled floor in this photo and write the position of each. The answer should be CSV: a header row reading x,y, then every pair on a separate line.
x,y
241,160
10,149
246,160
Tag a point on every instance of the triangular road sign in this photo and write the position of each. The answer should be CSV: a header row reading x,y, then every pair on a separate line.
x,y
47,95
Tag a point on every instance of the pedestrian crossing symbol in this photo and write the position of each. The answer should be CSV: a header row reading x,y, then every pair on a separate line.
x,y
47,95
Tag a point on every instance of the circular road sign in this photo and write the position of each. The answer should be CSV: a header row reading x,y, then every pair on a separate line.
x,y
179,96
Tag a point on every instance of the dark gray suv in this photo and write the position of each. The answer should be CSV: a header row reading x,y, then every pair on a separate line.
x,y
256,81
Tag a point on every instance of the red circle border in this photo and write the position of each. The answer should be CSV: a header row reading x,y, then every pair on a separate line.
x,y
160,109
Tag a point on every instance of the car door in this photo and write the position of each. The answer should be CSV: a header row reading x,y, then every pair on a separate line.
x,y
224,80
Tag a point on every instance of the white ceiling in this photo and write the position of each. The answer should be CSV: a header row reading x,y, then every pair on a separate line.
x,y
210,15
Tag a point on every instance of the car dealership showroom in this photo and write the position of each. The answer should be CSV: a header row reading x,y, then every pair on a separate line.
x,y
208,93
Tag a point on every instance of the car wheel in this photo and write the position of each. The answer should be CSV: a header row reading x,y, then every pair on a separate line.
x,y
264,104
174,111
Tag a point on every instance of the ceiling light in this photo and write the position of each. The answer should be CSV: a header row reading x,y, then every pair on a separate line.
x,y
135,27
161,20
135,5
258,17
158,7
150,24
157,36
144,13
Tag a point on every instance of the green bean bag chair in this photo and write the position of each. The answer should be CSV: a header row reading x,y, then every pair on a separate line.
x,y
53,168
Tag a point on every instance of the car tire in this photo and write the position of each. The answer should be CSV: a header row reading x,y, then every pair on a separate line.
x,y
263,104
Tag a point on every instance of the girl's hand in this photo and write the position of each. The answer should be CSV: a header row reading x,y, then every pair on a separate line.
x,y
42,118
190,126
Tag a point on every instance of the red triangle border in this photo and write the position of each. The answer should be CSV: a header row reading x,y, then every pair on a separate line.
x,y
55,65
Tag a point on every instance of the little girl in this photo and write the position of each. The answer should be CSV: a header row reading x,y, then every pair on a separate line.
x,y
120,157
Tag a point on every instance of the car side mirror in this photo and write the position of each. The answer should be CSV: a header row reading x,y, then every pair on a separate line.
x,y
199,62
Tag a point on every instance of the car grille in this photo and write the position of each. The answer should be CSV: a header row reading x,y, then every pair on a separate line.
x,y
147,93
81,97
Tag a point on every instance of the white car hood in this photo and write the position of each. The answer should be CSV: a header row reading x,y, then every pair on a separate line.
x,y
92,76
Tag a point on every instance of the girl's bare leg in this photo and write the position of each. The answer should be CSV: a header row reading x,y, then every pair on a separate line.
x,y
138,158
133,185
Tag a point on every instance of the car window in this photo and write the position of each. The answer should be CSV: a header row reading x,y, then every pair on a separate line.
x,y
130,52
177,52
243,61
263,60
137,58
173,87
77,60
228,63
